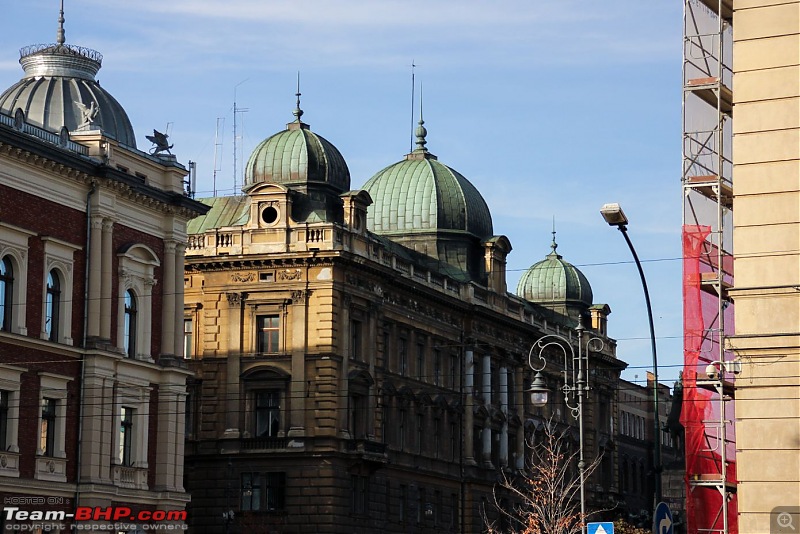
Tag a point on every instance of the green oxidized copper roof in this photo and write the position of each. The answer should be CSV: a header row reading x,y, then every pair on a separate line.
x,y
554,280
420,194
225,211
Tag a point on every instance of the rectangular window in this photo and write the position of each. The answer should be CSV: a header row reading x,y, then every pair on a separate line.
x,y
358,416
4,437
188,337
401,430
437,437
355,340
454,515
422,504
455,376
47,434
403,503
387,337
437,367
125,456
512,392
251,492
275,488
360,491
454,441
421,361
402,356
420,432
268,413
268,331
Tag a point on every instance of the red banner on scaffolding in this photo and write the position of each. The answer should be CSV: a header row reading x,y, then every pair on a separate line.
x,y
703,414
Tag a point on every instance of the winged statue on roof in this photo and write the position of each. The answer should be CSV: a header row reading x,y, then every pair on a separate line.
x,y
160,140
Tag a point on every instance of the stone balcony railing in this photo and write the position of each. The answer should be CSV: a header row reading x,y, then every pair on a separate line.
x,y
130,477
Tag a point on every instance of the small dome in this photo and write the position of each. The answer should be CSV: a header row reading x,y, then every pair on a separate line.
x,y
555,281
297,156
59,90
420,194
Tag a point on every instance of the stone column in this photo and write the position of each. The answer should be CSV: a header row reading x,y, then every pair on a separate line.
x,y
180,250
486,436
469,383
95,278
297,423
233,364
170,431
168,300
344,344
520,445
504,410
107,276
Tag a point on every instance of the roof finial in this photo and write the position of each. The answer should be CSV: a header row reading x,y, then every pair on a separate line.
x,y
297,111
554,245
421,132
60,34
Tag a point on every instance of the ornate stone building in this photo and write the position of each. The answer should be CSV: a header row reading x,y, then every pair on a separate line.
x,y
92,233
359,363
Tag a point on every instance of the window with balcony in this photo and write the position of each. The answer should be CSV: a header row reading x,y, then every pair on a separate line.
x,y
402,356
47,430
356,340
267,413
125,456
52,306
4,402
421,375
130,331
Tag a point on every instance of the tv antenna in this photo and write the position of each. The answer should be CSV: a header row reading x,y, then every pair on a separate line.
x,y
236,149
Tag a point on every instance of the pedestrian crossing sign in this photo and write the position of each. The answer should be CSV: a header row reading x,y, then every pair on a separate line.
x,y
600,528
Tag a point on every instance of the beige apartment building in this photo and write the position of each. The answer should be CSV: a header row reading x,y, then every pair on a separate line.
x,y
766,167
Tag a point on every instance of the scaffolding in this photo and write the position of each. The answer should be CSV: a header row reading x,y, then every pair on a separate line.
x,y
707,413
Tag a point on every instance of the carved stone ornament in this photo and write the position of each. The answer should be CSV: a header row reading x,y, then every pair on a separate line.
x,y
233,298
243,277
300,296
290,274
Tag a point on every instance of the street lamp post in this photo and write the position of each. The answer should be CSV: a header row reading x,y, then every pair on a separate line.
x,y
576,371
614,216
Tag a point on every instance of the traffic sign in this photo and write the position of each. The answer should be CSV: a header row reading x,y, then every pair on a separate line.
x,y
662,519
600,528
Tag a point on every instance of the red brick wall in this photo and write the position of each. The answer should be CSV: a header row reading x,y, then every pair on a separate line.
x,y
54,220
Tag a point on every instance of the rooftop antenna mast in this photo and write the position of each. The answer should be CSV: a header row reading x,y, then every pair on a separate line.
x,y
236,149
217,148
411,143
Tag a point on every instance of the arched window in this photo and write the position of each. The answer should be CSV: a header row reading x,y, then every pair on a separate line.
x,y
52,305
6,293
130,324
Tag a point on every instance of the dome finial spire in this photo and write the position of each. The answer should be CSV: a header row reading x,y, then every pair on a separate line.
x,y
60,34
421,132
554,246
297,111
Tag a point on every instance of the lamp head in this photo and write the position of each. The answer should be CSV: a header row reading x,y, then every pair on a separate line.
x,y
538,390
614,215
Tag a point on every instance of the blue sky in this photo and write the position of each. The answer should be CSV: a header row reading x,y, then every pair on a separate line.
x,y
551,108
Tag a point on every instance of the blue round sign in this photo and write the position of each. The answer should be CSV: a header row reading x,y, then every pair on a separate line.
x,y
662,519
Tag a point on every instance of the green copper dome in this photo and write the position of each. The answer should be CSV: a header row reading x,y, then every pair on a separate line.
x,y
555,281
297,156
420,194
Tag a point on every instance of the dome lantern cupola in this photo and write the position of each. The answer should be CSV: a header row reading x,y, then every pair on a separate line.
x,y
59,89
